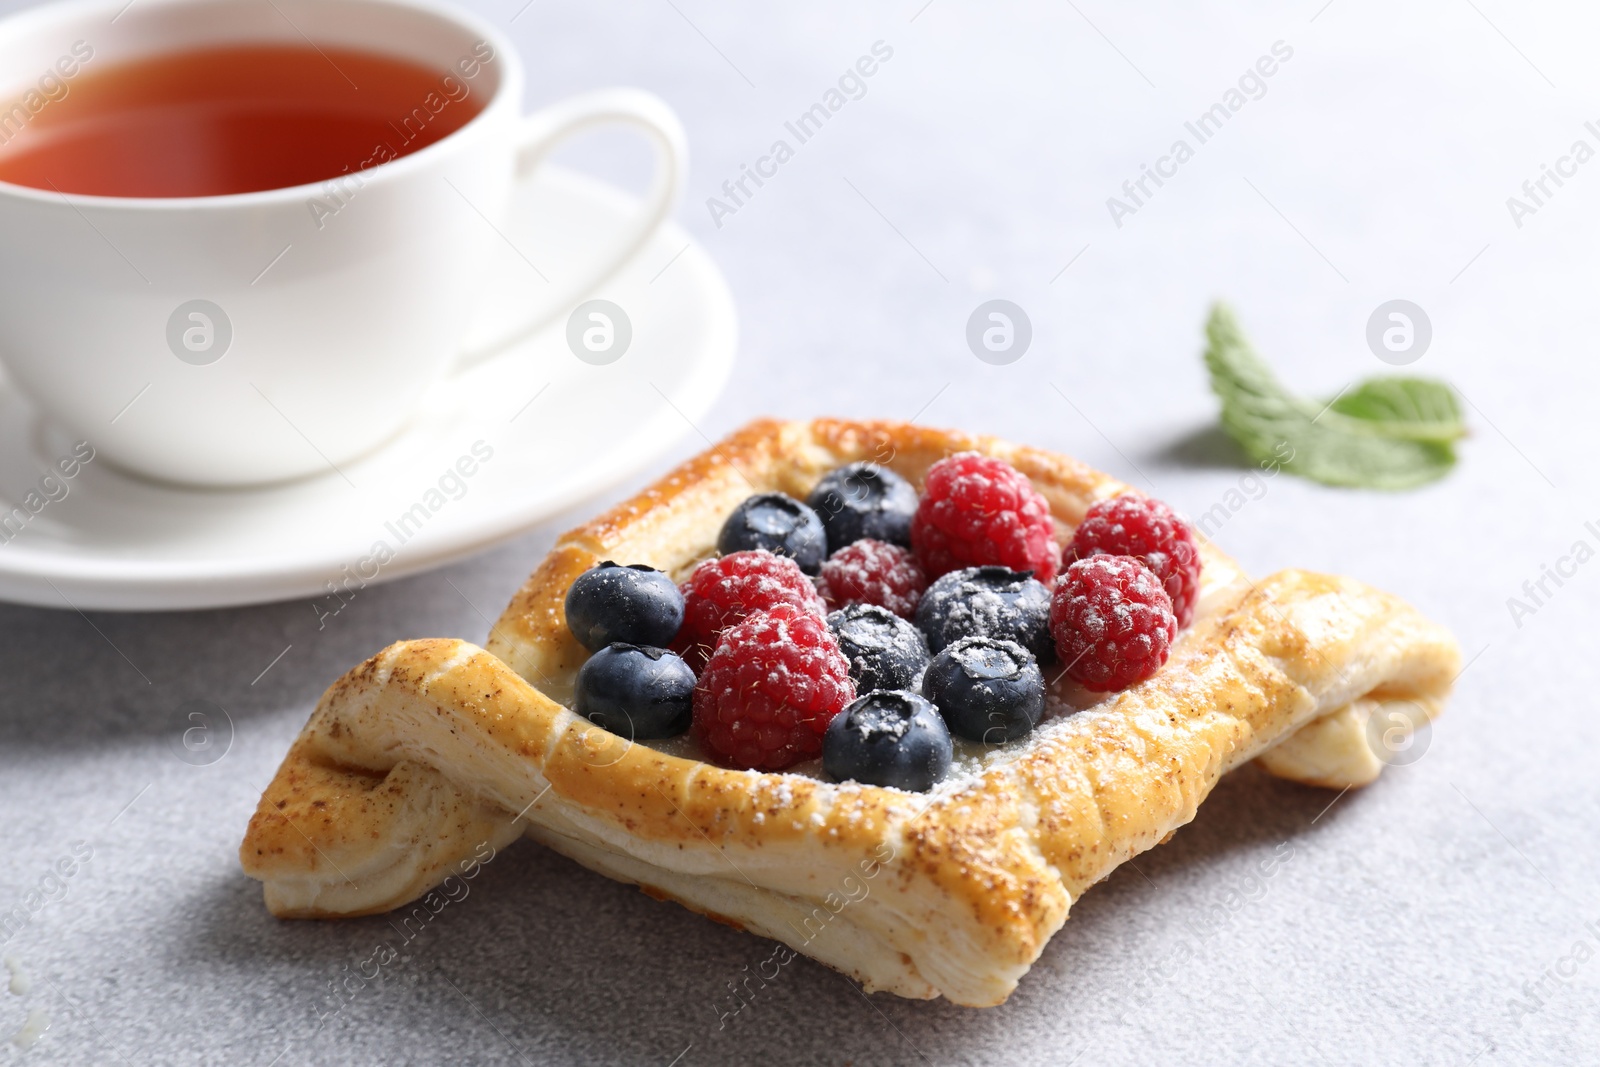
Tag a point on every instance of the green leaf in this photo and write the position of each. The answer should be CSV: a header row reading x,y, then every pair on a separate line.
x,y
1418,409
1280,430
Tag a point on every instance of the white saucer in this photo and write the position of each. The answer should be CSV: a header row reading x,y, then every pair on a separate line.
x,y
560,430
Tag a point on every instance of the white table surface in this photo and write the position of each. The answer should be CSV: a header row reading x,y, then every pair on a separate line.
x,y
1414,916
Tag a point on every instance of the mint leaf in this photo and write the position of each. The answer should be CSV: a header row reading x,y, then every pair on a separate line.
x,y
1418,409
1315,441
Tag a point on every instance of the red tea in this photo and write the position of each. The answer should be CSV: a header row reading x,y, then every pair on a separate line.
x,y
229,120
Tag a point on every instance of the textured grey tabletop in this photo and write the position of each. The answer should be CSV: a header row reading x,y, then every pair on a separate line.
x,y
1446,914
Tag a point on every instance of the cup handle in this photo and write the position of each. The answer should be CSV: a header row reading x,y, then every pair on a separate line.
x,y
543,130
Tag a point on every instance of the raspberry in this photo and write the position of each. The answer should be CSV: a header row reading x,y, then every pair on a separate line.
x,y
774,683
873,572
976,510
724,590
1152,533
1112,622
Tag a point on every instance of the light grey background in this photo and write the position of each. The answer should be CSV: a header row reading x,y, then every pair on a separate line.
x,y
1411,916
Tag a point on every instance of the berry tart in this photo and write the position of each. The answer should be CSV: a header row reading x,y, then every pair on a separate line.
x,y
894,696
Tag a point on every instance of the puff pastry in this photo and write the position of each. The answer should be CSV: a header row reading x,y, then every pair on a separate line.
x,y
415,758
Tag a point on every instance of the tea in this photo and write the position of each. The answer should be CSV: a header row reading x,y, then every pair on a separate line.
x,y
233,119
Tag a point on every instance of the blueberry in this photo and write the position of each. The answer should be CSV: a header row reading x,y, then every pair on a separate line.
x,y
636,604
988,602
884,650
888,738
988,690
781,525
862,500
636,692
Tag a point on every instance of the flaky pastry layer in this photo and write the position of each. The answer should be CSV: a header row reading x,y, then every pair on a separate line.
x,y
430,748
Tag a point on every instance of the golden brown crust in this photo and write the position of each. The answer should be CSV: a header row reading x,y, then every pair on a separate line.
x,y
966,886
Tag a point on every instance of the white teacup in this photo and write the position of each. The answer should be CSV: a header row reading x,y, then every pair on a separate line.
x,y
247,338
